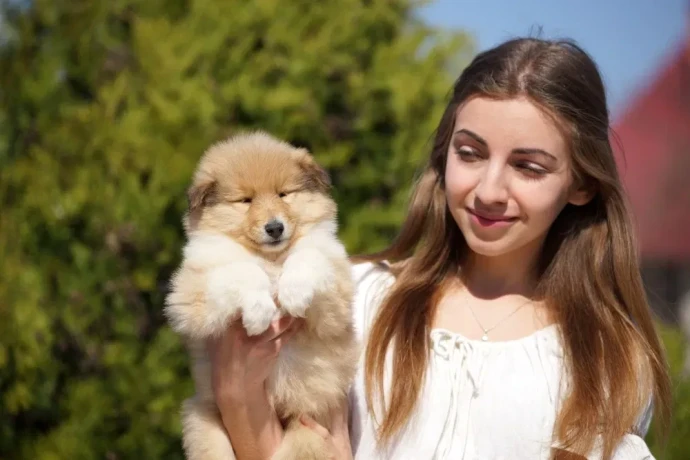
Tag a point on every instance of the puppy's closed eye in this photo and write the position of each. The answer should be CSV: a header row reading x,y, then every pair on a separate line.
x,y
238,199
288,193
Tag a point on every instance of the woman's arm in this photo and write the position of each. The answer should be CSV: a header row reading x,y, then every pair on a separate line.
x,y
253,428
240,366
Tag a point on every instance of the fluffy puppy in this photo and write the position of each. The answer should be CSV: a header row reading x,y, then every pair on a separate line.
x,y
261,230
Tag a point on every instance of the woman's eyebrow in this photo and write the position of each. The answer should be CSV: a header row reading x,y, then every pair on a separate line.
x,y
473,135
532,151
517,151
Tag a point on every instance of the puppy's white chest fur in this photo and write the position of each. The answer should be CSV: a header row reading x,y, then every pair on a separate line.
x,y
273,271
241,282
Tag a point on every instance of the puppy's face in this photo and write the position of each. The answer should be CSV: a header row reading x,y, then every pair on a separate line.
x,y
263,193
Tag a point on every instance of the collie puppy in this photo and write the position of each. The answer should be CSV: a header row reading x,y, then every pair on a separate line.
x,y
261,243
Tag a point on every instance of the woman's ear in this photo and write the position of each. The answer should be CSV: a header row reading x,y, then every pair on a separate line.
x,y
581,195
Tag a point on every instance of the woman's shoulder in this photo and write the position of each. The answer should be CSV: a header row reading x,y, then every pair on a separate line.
x,y
368,271
371,278
372,282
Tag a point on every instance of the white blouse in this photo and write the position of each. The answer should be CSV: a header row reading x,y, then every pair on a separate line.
x,y
481,400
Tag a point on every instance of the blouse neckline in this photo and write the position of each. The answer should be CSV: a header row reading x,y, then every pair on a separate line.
x,y
550,331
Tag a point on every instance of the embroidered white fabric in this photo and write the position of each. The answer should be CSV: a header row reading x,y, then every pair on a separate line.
x,y
481,400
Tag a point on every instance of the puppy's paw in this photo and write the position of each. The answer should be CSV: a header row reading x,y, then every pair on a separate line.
x,y
258,310
224,297
240,288
296,291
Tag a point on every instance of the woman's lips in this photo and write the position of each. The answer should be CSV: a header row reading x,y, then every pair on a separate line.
x,y
490,220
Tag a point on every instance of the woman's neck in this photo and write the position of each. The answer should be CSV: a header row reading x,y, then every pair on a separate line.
x,y
496,276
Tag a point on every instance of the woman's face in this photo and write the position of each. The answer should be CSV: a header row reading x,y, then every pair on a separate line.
x,y
508,175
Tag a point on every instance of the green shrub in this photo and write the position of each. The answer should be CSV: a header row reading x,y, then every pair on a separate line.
x,y
105,108
677,446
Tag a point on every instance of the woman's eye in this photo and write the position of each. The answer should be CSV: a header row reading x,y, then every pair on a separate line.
x,y
468,154
246,200
282,194
532,169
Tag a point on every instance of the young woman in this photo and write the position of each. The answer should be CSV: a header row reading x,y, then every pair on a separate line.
x,y
508,319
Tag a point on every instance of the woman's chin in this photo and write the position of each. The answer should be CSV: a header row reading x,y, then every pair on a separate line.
x,y
490,248
522,248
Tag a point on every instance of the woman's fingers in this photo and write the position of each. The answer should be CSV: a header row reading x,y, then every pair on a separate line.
x,y
237,357
282,324
275,330
295,326
311,424
337,440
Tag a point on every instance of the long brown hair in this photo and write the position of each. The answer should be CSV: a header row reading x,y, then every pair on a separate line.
x,y
590,276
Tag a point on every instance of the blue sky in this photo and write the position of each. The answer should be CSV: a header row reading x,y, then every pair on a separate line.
x,y
629,39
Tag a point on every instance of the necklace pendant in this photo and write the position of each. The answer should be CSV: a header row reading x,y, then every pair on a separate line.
x,y
485,338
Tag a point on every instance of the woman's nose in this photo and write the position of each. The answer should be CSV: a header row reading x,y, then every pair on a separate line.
x,y
492,187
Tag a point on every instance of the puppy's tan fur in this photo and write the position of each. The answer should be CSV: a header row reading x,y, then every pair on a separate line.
x,y
233,270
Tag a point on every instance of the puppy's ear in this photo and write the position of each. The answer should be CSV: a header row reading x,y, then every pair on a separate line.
x,y
314,176
201,194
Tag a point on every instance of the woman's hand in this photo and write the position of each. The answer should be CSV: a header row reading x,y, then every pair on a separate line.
x,y
338,439
240,366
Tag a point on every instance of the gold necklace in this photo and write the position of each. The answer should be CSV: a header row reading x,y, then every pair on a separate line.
x,y
485,337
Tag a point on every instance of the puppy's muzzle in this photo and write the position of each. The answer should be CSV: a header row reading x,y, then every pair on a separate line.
x,y
274,229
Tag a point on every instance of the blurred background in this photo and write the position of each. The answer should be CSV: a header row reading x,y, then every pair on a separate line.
x,y
106,106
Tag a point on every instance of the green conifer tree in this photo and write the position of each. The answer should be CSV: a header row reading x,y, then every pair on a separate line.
x,y
105,108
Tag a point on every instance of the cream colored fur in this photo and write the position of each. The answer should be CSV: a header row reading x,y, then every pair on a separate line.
x,y
233,271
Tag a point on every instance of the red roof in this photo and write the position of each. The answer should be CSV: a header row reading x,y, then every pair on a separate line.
x,y
654,134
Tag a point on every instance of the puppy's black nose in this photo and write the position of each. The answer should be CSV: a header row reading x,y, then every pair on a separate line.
x,y
274,229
